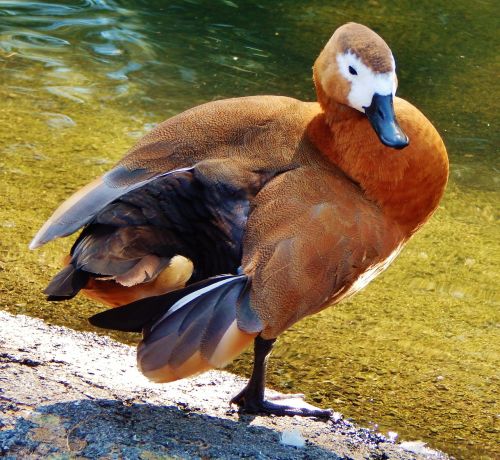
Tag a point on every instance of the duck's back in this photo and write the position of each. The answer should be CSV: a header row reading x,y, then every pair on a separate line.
x,y
266,131
256,133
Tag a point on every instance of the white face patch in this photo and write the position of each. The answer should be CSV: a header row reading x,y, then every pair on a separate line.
x,y
366,82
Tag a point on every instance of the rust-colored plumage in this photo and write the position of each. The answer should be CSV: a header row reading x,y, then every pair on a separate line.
x,y
300,203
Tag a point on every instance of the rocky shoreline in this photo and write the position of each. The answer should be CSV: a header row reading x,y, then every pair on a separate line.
x,y
68,394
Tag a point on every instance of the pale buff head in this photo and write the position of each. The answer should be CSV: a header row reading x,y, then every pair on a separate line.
x,y
355,64
356,69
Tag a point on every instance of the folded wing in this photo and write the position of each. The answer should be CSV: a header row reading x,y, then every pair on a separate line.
x,y
133,238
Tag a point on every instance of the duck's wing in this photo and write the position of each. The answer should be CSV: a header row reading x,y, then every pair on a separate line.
x,y
312,239
265,130
199,213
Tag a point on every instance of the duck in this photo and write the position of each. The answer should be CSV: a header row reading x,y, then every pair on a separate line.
x,y
231,221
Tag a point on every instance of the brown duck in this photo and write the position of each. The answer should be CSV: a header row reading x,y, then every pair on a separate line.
x,y
233,220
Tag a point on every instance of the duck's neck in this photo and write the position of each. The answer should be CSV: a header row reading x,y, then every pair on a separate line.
x,y
406,184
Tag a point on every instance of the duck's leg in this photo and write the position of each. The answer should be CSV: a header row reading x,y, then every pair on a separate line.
x,y
251,398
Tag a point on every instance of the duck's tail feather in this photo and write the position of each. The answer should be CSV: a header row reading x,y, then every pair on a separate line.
x,y
66,284
197,328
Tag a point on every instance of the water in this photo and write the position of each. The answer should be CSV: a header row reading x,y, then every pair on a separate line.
x,y
418,351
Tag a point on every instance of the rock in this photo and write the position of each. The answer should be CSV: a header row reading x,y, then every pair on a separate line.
x,y
69,394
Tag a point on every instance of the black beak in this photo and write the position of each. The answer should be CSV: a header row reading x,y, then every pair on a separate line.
x,y
381,116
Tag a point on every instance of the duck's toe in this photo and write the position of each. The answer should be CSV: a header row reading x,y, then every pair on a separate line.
x,y
280,405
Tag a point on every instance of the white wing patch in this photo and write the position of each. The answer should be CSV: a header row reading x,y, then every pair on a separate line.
x,y
188,298
367,82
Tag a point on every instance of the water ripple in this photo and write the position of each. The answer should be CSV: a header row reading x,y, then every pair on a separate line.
x,y
92,41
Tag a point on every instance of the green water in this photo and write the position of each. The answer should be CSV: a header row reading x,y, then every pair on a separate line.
x,y
418,351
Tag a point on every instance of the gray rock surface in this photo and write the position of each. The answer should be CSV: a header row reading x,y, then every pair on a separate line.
x,y
67,394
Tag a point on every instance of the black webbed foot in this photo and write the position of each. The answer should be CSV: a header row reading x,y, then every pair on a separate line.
x,y
252,404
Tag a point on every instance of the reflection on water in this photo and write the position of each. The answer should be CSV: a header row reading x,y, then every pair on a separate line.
x,y
417,352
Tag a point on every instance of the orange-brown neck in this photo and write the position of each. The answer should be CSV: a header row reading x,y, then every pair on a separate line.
x,y
333,111
406,184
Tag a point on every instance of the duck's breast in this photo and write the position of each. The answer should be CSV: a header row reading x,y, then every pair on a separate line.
x,y
311,237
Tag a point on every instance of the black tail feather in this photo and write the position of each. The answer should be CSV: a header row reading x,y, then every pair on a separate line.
x,y
66,284
141,314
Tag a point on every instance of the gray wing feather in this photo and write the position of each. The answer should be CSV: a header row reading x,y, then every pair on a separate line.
x,y
80,208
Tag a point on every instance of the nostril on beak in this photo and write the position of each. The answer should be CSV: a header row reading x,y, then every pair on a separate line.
x,y
380,114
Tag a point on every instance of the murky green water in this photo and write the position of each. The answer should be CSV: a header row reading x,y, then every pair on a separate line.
x,y
418,350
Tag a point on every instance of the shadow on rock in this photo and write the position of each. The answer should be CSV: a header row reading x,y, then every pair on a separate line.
x,y
108,428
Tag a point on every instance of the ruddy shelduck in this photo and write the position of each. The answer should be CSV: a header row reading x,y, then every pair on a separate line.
x,y
235,219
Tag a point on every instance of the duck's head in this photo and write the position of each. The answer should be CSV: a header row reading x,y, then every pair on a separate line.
x,y
356,69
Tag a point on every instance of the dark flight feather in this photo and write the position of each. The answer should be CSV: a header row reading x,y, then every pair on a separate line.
x,y
134,317
66,284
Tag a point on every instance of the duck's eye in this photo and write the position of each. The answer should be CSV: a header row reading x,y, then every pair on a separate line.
x,y
352,71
